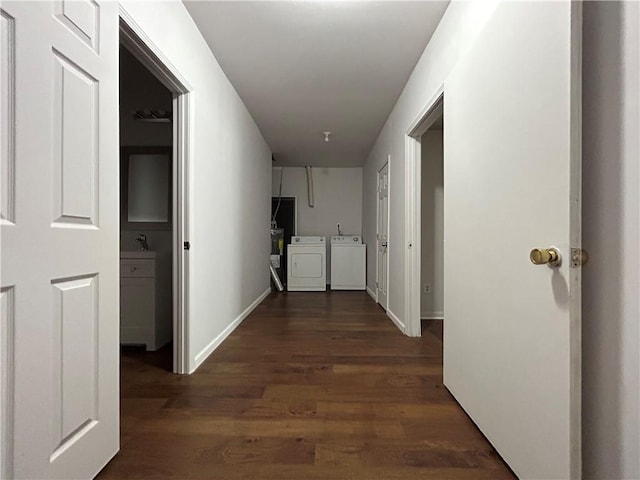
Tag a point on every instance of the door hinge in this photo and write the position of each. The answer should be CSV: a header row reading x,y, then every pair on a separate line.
x,y
187,245
579,257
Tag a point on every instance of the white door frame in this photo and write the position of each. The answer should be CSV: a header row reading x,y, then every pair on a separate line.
x,y
134,39
413,211
388,165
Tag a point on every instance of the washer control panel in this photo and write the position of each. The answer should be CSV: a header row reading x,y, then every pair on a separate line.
x,y
346,240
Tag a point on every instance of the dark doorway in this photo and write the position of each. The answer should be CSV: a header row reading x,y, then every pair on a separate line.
x,y
146,216
285,217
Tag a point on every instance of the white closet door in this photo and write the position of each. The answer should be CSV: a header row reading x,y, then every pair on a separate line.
x,y
59,238
512,184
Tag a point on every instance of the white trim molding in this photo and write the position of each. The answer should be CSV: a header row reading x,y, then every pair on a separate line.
x,y
394,318
134,38
412,214
372,294
216,342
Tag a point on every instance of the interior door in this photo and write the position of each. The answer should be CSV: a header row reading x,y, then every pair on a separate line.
x,y
59,247
512,183
382,237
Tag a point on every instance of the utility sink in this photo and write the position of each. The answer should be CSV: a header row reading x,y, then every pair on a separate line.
x,y
133,254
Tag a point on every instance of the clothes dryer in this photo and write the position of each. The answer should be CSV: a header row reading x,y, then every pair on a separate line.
x,y
307,264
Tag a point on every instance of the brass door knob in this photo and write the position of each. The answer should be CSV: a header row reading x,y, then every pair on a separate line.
x,y
545,256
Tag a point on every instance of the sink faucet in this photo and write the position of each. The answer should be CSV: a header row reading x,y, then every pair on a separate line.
x,y
142,241
339,231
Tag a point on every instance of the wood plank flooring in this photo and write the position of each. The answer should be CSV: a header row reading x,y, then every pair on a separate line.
x,y
309,386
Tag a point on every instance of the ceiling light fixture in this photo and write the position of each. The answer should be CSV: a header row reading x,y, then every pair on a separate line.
x,y
326,136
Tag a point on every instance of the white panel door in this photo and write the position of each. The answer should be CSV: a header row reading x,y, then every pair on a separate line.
x,y
59,251
382,236
512,183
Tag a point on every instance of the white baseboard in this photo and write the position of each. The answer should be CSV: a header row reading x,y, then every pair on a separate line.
x,y
215,343
396,320
372,294
432,316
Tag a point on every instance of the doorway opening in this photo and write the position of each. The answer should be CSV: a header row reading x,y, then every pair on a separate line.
x,y
154,192
284,215
146,247
432,228
424,219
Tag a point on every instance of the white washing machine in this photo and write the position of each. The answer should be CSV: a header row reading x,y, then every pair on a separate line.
x,y
348,263
307,264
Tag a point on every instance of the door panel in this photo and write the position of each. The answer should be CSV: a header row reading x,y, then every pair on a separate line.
x,y
75,156
512,176
7,313
81,17
74,353
60,238
382,237
7,116
7,205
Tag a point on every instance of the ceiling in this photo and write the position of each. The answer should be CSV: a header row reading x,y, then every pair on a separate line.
x,y
303,68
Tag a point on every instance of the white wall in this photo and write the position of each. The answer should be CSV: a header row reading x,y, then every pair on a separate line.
x,y
231,171
458,28
611,282
337,194
432,227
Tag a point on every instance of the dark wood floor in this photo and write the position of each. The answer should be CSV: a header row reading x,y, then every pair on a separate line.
x,y
309,386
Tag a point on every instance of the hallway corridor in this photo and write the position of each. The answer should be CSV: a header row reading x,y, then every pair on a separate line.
x,y
309,386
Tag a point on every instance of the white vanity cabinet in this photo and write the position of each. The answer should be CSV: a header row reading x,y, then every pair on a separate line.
x,y
141,321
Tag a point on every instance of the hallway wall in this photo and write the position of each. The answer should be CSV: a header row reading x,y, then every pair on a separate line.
x,y
337,198
231,172
611,282
456,32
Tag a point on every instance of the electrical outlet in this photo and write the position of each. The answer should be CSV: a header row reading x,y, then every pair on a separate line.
x,y
427,288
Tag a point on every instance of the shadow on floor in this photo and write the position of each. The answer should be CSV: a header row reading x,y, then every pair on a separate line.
x,y
161,358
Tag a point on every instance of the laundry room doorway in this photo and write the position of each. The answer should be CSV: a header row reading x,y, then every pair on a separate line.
x,y
284,215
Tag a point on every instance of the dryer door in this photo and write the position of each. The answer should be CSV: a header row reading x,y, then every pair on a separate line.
x,y
306,265
306,269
